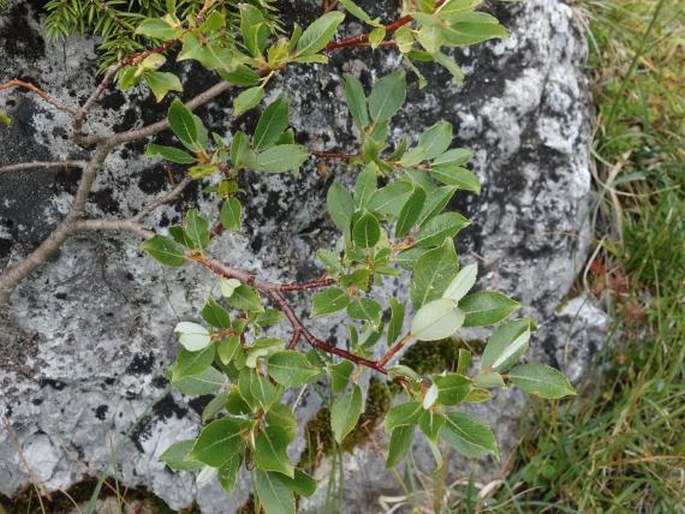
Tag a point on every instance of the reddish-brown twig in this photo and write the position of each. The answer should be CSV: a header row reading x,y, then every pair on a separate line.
x,y
303,286
396,348
333,155
273,291
363,39
39,92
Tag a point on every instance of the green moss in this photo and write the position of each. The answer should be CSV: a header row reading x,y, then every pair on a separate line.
x,y
434,356
319,436
427,357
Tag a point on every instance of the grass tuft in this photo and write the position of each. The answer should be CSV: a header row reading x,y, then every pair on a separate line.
x,y
619,446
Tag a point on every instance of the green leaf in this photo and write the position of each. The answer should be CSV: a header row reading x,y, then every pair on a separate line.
x,y
400,370
228,472
356,101
228,349
281,158
219,440
541,380
129,77
272,123
245,298
469,435
432,143
365,186
430,424
430,397
401,415
463,361
253,28
165,250
473,28
269,317
436,202
437,320
319,34
248,99
486,308
462,283
366,231
161,82
301,484
376,37
365,309
156,28
359,13
200,171
227,286
396,321
214,407
291,369
506,346
445,225
454,157
193,337
340,375
387,96
231,214
175,456
197,230
281,416
478,395
241,154
390,199
273,494
192,363
183,125
330,260
243,76
400,443
345,413
264,391
448,62
270,451
207,382
488,380
5,119
456,176
340,207
432,274
409,214
452,388
331,300
170,154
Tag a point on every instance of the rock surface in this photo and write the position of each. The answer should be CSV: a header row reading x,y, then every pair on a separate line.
x,y
87,338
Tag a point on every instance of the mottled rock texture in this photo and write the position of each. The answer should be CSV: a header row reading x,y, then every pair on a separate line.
x,y
86,340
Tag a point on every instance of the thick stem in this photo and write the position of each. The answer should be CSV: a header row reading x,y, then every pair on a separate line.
x,y
114,226
154,128
23,166
13,275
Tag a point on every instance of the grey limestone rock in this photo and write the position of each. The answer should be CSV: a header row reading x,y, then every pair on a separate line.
x,y
86,340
